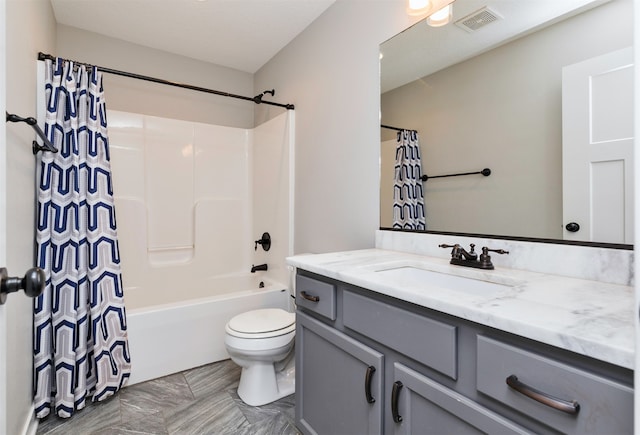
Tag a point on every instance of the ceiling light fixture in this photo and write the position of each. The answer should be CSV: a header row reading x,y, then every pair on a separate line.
x,y
441,16
418,7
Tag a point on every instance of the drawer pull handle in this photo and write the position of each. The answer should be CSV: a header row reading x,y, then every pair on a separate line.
x,y
395,392
309,297
367,384
570,407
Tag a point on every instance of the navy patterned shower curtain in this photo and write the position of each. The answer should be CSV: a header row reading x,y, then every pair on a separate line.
x,y
80,330
408,200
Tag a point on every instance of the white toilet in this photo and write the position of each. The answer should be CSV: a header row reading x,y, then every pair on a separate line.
x,y
261,342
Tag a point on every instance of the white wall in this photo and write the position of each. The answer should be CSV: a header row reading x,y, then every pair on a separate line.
x,y
148,98
330,72
271,193
502,110
30,27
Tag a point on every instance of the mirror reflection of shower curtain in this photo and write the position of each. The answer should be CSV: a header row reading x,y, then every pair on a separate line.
x,y
408,198
80,330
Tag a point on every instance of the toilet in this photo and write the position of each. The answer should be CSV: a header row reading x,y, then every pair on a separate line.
x,y
261,342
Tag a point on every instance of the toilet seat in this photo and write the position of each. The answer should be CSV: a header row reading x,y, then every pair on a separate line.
x,y
263,323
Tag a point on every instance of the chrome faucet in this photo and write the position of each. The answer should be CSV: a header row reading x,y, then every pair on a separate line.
x,y
460,257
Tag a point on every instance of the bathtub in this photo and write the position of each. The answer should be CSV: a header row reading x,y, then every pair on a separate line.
x,y
184,328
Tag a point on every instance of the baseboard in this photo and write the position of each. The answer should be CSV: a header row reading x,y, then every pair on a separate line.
x,y
30,425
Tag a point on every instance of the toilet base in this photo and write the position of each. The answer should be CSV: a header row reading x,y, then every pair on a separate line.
x,y
261,384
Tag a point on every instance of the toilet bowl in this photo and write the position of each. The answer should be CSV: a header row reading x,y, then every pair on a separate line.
x,y
261,342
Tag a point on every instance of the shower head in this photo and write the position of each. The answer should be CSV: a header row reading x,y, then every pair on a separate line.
x,y
258,98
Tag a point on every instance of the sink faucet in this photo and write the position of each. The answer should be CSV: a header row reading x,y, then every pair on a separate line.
x,y
460,257
459,253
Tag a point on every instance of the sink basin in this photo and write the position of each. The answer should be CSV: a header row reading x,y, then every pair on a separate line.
x,y
415,276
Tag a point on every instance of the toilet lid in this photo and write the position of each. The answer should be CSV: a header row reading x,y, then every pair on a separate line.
x,y
262,321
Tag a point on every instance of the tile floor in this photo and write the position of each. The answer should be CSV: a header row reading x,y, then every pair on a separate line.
x,y
197,401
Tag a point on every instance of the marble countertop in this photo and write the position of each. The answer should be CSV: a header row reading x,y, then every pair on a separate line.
x,y
591,318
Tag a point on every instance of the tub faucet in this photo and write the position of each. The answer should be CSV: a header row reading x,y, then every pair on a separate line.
x,y
259,267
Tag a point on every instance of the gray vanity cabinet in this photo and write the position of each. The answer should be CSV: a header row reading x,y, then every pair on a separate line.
x,y
425,406
563,397
370,364
339,384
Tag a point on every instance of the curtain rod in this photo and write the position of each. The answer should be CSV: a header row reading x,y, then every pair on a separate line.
x,y
257,99
396,128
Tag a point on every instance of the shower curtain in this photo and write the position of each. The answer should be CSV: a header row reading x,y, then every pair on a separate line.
x,y
80,330
408,200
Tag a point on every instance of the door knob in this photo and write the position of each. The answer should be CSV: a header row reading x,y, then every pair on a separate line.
x,y
32,283
572,227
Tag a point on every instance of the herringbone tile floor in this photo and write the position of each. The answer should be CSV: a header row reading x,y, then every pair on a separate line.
x,y
197,401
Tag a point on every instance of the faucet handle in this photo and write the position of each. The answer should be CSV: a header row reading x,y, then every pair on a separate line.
x,y
497,251
485,259
455,252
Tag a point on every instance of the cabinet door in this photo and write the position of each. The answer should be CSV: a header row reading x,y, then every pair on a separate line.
x,y
564,397
338,382
420,405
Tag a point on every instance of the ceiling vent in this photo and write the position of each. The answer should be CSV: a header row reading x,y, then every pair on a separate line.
x,y
478,19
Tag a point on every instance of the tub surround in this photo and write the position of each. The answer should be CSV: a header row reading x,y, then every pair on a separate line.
x,y
588,317
176,228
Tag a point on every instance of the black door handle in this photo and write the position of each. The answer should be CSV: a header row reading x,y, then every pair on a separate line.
x,y
368,377
309,297
568,406
572,227
395,393
32,283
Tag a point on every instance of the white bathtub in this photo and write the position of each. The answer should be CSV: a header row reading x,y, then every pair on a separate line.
x,y
184,328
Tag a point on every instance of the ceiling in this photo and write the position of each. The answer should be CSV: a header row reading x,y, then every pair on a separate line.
x,y
238,34
246,34
423,50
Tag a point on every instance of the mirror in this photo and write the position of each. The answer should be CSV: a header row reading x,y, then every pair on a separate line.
x,y
492,98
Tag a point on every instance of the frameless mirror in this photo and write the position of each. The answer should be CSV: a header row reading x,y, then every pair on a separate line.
x,y
487,91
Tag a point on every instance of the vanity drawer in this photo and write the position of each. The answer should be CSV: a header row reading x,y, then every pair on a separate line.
x,y
427,341
605,406
316,296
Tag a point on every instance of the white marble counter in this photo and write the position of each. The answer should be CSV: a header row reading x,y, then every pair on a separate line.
x,y
591,318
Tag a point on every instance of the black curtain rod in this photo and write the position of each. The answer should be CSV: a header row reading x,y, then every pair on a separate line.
x,y
396,128
257,99
486,172
35,146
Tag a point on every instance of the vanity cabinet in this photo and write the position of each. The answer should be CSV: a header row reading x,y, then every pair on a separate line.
x,y
428,407
372,364
566,398
341,379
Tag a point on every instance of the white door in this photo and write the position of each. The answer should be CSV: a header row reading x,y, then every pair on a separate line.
x,y
597,154
3,227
